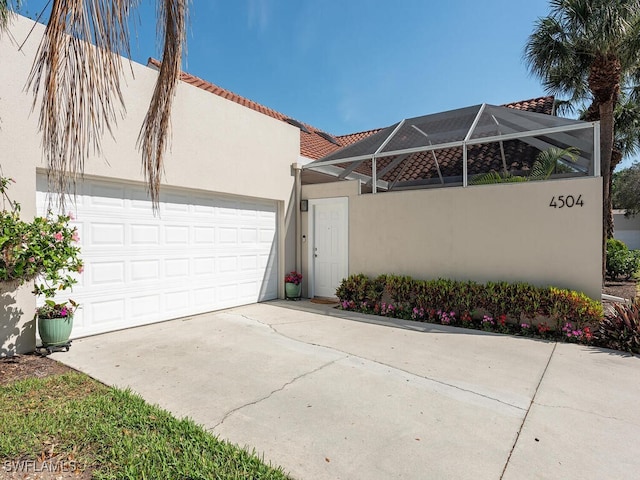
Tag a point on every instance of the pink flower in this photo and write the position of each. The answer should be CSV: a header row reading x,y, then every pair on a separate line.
x,y
71,216
58,236
32,260
75,237
80,269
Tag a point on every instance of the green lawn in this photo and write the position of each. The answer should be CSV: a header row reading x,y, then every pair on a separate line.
x,y
75,418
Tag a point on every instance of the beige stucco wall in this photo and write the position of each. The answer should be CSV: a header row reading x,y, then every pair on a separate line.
x,y
627,229
494,232
216,145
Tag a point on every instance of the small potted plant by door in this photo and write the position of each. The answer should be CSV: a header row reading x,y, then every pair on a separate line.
x,y
293,285
55,321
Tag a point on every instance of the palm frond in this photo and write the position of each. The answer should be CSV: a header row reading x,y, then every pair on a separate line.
x,y
547,161
627,125
5,14
76,73
155,130
495,177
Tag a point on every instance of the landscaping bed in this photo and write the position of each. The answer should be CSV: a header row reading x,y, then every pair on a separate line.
x,y
513,308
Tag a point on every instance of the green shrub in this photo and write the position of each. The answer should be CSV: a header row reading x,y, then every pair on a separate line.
x,y
353,288
623,263
452,302
615,245
375,289
620,329
401,289
435,294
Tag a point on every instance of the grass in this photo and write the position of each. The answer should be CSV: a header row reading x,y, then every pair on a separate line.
x,y
74,418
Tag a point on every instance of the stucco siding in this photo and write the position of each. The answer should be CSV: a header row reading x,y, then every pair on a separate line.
x,y
506,232
215,145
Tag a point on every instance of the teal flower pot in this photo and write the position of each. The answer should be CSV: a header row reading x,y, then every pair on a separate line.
x,y
292,290
55,331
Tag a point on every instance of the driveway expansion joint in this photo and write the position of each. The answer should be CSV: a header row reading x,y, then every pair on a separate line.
x,y
377,362
273,392
533,398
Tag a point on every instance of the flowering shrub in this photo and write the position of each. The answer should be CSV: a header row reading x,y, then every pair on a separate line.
x,y
44,249
487,322
495,307
417,313
465,318
51,309
446,318
293,277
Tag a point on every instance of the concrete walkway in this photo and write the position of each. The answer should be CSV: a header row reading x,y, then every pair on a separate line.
x,y
332,395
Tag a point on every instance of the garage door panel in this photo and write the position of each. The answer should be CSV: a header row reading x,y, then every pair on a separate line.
x,y
204,236
201,253
177,300
177,268
228,235
145,306
106,234
106,273
103,312
227,264
248,263
141,234
144,270
204,297
248,236
176,235
204,266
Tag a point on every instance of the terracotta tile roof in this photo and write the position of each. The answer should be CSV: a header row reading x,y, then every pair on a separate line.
x,y
312,144
419,166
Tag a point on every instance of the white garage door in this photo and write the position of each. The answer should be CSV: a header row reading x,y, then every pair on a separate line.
x,y
203,252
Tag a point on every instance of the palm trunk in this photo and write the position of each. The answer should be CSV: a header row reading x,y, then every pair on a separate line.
x,y
604,83
606,147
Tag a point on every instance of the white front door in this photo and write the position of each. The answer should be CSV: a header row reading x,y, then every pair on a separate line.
x,y
330,245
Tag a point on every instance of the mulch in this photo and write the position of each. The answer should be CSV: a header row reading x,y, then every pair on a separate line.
x,y
324,300
621,288
31,365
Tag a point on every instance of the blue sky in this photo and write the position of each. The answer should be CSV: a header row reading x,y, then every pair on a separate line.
x,y
350,65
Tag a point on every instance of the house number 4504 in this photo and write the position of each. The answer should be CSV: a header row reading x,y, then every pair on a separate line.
x,y
568,201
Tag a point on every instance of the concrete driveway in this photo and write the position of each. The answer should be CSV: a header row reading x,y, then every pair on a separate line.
x,y
332,395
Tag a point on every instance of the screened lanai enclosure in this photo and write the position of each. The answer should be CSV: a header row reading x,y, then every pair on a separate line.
x,y
458,147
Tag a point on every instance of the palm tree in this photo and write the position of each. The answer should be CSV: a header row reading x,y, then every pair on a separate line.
x,y
547,163
77,73
584,49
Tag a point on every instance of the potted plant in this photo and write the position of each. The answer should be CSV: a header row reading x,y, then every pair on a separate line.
x,y
55,321
293,284
43,250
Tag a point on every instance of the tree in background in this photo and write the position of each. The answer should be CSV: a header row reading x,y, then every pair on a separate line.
x,y
77,73
587,50
626,189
